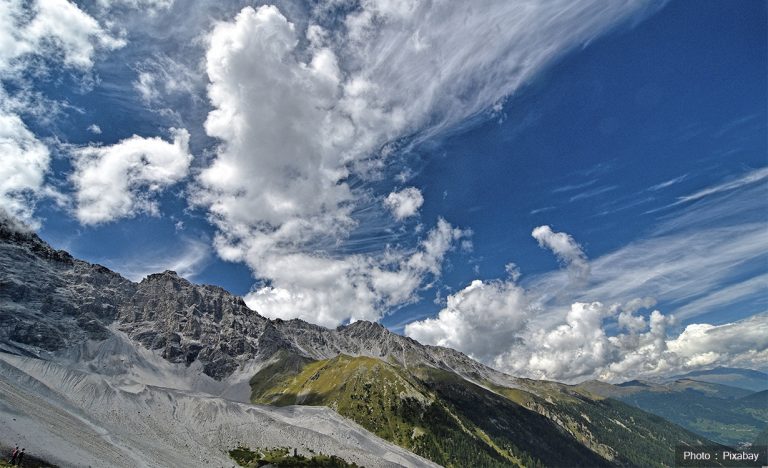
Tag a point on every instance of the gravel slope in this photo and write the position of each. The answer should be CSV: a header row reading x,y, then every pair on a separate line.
x,y
76,418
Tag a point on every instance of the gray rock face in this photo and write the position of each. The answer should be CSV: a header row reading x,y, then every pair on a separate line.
x,y
186,322
50,301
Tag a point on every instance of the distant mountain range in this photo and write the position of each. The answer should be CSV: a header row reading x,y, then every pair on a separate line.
x,y
98,370
725,414
741,378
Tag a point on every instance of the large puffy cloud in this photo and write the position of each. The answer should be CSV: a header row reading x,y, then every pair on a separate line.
x,y
477,319
742,342
579,347
281,159
494,322
302,112
123,179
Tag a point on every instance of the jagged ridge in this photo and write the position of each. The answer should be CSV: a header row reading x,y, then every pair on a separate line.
x,y
50,301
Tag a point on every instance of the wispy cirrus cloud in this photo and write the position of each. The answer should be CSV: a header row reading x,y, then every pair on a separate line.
x,y
667,183
758,175
593,193
754,289
577,186
188,257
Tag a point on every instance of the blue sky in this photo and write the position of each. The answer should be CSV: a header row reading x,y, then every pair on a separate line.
x,y
349,161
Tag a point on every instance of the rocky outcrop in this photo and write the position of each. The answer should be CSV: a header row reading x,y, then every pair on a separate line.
x,y
48,299
186,322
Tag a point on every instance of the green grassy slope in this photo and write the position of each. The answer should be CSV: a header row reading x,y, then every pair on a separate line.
x,y
617,431
454,422
386,401
282,457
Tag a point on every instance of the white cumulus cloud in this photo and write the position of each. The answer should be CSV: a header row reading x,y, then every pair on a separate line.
x,y
57,29
524,332
23,164
329,290
405,203
477,319
123,179
565,249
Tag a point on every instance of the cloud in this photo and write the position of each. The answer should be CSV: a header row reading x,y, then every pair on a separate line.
x,y
752,177
703,259
745,341
667,183
51,28
123,179
330,290
579,348
495,322
723,297
701,250
592,193
161,76
306,117
477,319
95,129
405,203
147,5
23,164
565,249
576,186
676,268
187,258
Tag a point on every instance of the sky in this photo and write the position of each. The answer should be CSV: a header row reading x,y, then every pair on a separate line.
x,y
560,189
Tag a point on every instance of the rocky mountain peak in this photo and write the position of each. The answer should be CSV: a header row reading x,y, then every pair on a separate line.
x,y
13,232
166,275
363,327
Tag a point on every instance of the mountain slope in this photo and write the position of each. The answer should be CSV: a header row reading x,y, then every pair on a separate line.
x,y
747,379
727,415
452,421
76,418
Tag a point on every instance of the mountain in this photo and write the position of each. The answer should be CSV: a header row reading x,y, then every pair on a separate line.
x,y
104,371
457,422
748,379
724,414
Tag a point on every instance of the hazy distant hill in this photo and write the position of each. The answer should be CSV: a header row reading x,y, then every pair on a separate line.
x,y
728,415
742,378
